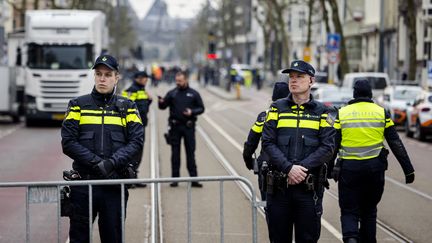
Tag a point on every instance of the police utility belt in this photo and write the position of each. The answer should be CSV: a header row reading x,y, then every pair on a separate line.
x,y
278,181
188,123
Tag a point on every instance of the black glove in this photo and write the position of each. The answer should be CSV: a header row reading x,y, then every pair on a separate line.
x,y
409,178
335,173
105,168
247,156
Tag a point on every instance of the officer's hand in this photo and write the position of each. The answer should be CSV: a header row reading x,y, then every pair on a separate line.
x,y
248,161
335,174
105,168
160,99
297,174
409,178
187,112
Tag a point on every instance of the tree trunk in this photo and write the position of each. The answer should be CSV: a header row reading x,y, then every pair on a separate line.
x,y
309,29
412,35
325,15
344,66
281,30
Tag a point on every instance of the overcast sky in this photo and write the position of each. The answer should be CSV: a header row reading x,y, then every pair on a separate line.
x,y
176,8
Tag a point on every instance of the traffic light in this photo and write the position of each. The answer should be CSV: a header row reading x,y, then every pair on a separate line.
x,y
211,52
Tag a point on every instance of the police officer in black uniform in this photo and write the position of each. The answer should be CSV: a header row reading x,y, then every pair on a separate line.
x,y
299,142
361,128
185,104
102,132
137,93
280,90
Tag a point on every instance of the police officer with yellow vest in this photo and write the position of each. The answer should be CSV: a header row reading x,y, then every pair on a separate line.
x,y
299,142
280,90
137,93
362,127
102,133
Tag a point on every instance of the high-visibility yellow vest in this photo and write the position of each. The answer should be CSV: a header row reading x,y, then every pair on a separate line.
x,y
362,127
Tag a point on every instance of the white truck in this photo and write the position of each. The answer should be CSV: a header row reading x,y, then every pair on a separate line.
x,y
59,49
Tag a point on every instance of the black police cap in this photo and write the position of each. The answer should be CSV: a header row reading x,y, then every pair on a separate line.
x,y
108,61
141,74
301,67
362,88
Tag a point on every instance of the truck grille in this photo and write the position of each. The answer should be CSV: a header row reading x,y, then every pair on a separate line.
x,y
59,89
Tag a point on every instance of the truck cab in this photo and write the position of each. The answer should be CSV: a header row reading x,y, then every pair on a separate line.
x,y
60,47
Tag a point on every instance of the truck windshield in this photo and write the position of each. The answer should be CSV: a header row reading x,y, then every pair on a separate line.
x,y
60,56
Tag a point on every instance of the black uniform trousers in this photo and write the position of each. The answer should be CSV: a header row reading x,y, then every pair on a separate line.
x,y
178,132
106,205
360,191
294,206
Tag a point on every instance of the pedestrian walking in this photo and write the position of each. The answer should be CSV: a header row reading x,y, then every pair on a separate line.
x,y
185,104
299,142
361,129
137,93
102,132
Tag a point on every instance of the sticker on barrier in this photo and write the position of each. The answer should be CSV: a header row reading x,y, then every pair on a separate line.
x,y
43,194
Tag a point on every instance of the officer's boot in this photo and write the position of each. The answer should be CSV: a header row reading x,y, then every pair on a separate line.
x,y
351,240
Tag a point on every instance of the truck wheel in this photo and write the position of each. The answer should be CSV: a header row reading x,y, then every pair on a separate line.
x,y
15,118
408,133
30,122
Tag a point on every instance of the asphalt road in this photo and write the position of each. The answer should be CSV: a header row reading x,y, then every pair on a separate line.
x,y
34,154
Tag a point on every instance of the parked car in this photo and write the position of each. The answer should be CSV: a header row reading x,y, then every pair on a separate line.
x,y
332,95
378,81
419,116
395,100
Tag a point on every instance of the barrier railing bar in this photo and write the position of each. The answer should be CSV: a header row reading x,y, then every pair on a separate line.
x,y
123,209
156,181
90,187
221,211
58,214
27,216
189,212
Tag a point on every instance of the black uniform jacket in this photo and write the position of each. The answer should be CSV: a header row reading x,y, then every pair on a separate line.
x,y
375,164
254,136
298,134
94,129
136,92
178,100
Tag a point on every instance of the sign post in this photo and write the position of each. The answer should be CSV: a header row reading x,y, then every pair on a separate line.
x,y
333,47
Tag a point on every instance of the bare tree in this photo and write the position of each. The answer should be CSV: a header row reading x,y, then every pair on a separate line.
x,y
309,27
343,65
411,13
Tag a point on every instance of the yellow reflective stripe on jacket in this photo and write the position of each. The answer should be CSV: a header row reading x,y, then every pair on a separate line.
x,y
291,123
361,153
75,108
258,127
272,115
97,120
73,115
133,118
362,127
142,95
92,111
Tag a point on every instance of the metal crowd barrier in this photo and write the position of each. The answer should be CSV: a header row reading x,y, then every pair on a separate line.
x,y
49,192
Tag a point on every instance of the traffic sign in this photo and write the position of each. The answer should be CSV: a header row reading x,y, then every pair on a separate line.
x,y
333,42
333,57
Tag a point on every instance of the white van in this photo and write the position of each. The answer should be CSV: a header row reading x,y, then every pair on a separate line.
x,y
378,81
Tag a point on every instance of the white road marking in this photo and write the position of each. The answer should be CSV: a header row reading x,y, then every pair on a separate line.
x,y
4,133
